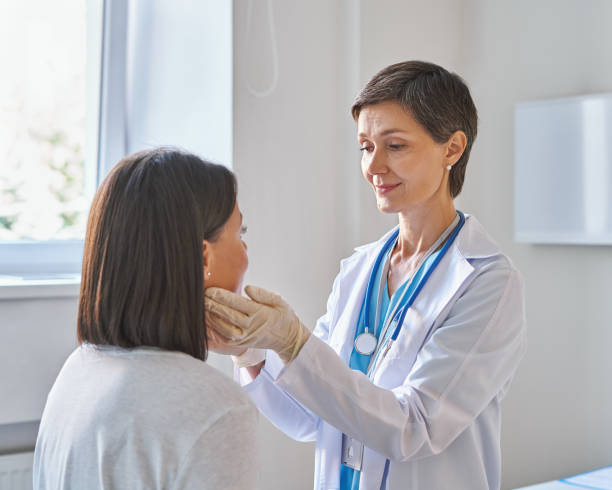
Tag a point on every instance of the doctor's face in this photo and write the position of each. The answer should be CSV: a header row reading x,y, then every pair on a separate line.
x,y
404,165
226,257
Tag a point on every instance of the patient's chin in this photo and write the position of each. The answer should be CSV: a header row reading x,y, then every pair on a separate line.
x,y
227,282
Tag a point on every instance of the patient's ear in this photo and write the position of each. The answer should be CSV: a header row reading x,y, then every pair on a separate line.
x,y
206,253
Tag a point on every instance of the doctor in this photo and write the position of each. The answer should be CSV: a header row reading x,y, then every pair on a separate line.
x,y
401,381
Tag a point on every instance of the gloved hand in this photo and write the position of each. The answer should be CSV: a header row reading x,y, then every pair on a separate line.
x,y
266,322
241,356
219,345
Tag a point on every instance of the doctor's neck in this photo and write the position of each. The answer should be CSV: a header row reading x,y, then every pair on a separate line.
x,y
421,226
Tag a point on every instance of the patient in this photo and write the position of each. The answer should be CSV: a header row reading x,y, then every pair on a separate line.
x,y
135,406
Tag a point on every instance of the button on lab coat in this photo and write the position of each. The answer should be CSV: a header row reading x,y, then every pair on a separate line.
x,y
432,407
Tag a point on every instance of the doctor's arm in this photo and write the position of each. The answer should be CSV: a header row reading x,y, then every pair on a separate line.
x,y
462,367
279,407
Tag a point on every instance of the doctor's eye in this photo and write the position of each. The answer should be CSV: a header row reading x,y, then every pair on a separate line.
x,y
396,146
243,229
366,148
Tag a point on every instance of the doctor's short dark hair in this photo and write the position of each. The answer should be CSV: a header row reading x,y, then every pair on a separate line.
x,y
143,276
439,100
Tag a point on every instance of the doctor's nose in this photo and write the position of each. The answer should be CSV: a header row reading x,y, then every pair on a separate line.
x,y
375,163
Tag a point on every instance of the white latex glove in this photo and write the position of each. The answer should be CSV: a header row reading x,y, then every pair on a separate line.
x,y
266,322
217,343
241,356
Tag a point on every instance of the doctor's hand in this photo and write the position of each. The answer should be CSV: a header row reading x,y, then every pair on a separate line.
x,y
241,356
266,322
217,343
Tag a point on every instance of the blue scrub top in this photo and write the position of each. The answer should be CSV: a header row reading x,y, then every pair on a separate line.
x,y
349,478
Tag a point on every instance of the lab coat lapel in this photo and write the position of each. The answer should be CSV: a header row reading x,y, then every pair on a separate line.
x,y
436,296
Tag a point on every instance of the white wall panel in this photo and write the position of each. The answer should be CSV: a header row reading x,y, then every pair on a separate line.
x,y
180,76
36,337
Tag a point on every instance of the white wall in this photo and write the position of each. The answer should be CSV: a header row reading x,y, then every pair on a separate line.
x,y
180,76
557,415
36,336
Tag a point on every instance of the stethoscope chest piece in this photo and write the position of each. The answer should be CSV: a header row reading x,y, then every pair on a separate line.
x,y
365,343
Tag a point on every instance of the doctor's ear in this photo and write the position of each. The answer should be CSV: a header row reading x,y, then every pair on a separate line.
x,y
455,147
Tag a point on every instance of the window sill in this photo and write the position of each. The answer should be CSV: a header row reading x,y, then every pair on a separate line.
x,y
47,286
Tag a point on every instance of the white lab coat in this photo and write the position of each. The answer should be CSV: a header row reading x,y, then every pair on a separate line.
x,y
433,407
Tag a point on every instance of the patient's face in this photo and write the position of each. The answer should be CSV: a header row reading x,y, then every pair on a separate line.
x,y
226,258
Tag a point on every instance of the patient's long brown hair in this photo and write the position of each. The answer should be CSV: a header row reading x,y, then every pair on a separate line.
x,y
142,278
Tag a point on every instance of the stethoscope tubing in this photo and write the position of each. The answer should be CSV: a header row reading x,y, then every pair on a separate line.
x,y
379,259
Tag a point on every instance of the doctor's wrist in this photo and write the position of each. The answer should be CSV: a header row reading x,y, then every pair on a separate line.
x,y
250,357
300,336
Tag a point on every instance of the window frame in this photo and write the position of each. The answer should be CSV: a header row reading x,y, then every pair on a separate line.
x,y
34,262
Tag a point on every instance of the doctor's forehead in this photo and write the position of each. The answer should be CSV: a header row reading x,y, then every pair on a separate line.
x,y
384,132
383,119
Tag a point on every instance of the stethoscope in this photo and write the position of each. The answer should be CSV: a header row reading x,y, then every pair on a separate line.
x,y
366,343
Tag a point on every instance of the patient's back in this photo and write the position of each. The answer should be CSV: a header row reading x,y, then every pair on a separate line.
x,y
144,419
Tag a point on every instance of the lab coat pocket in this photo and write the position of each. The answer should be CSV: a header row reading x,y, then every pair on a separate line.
x,y
402,354
410,338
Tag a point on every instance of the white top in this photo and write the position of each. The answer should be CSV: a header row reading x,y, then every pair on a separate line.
x,y
144,419
430,416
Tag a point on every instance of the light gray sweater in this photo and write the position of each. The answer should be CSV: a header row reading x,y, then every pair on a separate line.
x,y
144,419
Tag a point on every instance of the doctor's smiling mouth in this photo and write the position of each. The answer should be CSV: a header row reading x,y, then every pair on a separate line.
x,y
386,188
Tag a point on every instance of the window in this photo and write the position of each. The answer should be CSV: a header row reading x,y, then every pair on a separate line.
x,y
85,83
49,99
